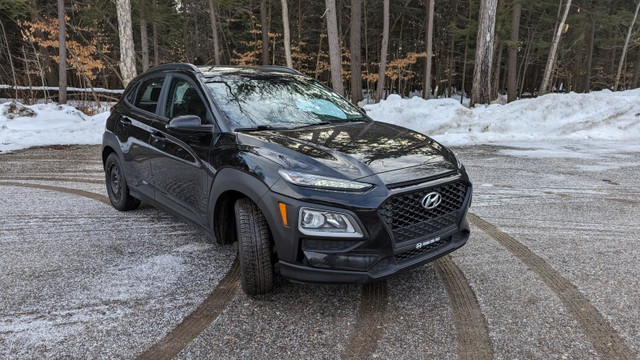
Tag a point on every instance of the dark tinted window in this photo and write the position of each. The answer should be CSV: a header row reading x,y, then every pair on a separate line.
x,y
149,93
184,100
279,101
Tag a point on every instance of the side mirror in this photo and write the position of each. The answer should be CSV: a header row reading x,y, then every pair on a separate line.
x,y
188,123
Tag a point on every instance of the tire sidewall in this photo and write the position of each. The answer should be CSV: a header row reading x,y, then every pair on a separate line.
x,y
119,204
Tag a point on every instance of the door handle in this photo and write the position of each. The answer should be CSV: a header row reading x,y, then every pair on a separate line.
x,y
125,121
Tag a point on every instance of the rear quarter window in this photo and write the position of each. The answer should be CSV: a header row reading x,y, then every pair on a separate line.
x,y
148,94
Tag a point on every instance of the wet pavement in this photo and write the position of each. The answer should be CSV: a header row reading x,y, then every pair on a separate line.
x,y
551,271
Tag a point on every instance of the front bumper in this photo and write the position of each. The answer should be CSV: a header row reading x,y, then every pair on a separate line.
x,y
384,268
373,257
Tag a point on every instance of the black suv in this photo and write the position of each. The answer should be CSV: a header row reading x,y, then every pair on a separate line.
x,y
309,186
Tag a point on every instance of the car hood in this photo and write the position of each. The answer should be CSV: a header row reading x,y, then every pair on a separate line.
x,y
355,150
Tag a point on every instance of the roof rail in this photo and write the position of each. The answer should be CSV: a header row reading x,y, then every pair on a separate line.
x,y
279,68
176,66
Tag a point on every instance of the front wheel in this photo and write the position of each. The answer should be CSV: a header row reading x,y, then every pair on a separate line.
x,y
254,248
117,185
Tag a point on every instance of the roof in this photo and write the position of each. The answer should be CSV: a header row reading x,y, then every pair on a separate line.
x,y
226,69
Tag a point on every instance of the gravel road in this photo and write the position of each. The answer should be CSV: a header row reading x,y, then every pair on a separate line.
x,y
551,271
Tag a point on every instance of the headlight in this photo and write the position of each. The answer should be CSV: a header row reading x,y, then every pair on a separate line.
x,y
322,182
328,223
458,162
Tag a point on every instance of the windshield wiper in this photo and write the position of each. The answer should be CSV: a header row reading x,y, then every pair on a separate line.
x,y
337,121
312,125
260,128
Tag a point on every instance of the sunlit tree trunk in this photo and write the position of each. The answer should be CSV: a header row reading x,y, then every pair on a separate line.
x,y
481,89
144,43
287,33
264,23
426,93
356,52
551,60
335,55
127,54
625,47
512,66
214,30
62,67
383,50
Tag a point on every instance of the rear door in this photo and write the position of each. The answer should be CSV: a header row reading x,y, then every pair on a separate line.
x,y
179,163
135,132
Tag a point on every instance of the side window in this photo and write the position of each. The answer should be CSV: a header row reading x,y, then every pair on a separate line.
x,y
184,100
149,93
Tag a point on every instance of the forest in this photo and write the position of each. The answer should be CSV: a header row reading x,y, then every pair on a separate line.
x,y
484,50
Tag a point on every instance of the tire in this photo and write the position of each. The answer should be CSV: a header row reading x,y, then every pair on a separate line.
x,y
117,185
254,248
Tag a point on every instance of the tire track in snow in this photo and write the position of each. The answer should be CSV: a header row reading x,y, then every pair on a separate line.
x,y
605,340
83,193
29,178
196,322
369,327
207,312
472,331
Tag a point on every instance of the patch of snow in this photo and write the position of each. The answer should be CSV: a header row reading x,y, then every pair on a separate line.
x,y
52,125
601,115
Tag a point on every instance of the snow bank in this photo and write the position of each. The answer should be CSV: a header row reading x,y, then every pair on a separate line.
x,y
52,125
602,115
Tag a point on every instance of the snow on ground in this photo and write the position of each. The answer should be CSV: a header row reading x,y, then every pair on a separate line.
x,y
52,125
601,115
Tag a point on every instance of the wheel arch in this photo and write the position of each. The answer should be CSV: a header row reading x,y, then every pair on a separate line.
x,y
229,185
110,144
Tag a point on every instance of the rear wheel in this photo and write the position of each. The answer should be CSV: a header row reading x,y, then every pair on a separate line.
x,y
254,248
117,185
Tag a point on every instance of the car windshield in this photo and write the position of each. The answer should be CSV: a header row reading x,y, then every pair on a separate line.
x,y
279,102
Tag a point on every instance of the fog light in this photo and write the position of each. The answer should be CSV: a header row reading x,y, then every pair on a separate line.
x,y
328,223
341,262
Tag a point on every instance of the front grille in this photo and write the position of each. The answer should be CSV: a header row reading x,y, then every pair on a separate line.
x,y
408,220
423,250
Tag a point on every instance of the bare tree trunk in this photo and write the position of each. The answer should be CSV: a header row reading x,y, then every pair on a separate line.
x,y
383,51
156,56
317,73
512,66
144,43
366,50
586,87
636,71
287,34
335,55
264,23
426,93
127,54
299,26
481,89
214,31
62,63
625,47
356,51
551,60
497,60
27,70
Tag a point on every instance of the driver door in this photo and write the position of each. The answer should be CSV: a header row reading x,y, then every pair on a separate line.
x,y
179,162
